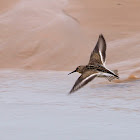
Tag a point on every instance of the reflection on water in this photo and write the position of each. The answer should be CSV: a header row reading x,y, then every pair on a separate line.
x,y
38,97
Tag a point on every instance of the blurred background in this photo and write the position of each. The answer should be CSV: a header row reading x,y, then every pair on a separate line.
x,y
59,35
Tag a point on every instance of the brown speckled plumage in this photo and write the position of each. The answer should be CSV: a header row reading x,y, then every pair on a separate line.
x,y
95,68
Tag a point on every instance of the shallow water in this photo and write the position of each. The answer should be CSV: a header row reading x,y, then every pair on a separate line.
x,y
35,105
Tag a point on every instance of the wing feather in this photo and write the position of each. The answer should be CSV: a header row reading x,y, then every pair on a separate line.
x,y
98,55
82,81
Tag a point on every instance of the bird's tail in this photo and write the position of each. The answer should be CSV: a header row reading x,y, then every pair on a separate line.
x,y
111,77
105,70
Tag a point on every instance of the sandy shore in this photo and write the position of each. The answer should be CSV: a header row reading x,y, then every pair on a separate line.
x,y
6,5
44,35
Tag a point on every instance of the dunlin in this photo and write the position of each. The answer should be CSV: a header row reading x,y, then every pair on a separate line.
x,y
95,68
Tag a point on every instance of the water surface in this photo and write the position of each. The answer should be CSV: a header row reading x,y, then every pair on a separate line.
x,y
35,105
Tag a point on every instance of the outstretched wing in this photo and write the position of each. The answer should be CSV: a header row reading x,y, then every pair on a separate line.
x,y
82,81
98,55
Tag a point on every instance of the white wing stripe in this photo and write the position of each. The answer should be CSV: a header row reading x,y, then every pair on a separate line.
x,y
101,57
84,80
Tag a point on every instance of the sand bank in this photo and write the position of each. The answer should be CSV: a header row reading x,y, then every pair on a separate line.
x,y
59,35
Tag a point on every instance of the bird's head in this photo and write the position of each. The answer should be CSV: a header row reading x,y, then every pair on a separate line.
x,y
78,69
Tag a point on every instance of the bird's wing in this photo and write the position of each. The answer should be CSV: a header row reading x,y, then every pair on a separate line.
x,y
82,81
98,55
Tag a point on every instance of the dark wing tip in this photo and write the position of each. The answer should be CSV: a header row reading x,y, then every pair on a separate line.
x,y
101,36
70,92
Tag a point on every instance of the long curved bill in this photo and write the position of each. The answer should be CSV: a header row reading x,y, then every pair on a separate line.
x,y
72,72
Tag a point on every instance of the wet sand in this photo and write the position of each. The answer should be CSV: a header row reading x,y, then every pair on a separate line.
x,y
36,105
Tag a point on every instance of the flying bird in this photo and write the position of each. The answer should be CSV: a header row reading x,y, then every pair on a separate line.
x,y
95,68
